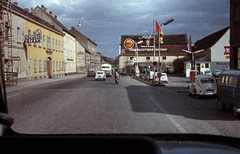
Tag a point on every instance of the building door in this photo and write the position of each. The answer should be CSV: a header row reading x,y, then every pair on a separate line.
x,y
29,69
198,68
49,68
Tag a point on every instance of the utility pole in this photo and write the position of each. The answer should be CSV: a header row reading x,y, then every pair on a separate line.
x,y
190,50
193,53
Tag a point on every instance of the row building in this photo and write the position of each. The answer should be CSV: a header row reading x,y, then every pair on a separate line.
x,y
142,51
42,47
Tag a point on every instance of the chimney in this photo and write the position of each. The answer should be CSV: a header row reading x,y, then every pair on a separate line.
x,y
26,9
50,13
15,3
42,7
55,16
45,9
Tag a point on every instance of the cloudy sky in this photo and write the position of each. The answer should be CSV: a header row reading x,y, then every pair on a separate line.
x,y
105,20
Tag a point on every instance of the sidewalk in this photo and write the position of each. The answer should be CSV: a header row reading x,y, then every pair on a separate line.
x,y
26,84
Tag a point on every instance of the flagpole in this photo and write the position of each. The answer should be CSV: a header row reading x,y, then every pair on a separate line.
x,y
154,46
159,67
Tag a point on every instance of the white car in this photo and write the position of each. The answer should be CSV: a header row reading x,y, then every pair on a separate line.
x,y
203,85
164,78
100,75
216,72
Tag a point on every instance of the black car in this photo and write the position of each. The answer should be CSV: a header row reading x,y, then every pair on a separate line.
x,y
91,73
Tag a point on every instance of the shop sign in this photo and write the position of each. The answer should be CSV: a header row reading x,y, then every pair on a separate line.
x,y
149,49
15,58
145,35
227,57
49,52
36,38
227,50
128,43
222,63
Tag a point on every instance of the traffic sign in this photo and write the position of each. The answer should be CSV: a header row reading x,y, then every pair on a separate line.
x,y
159,75
134,60
154,63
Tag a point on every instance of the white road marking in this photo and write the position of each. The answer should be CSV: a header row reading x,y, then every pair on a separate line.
x,y
179,127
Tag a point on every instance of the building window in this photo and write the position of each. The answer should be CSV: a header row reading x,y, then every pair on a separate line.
x,y
34,44
45,65
62,65
56,45
49,42
40,65
59,46
53,65
18,35
131,58
206,65
147,58
57,65
29,33
6,31
164,58
237,11
35,65
44,43
62,47
39,44
53,44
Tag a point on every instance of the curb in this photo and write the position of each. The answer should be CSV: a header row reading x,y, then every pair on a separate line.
x,y
34,83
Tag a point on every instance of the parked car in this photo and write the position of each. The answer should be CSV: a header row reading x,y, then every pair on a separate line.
x,y
100,75
207,73
216,72
203,85
164,78
91,73
228,91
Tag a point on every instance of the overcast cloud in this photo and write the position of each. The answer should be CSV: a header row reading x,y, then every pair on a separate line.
x,y
105,20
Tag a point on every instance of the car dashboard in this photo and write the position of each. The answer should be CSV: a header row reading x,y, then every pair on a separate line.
x,y
91,143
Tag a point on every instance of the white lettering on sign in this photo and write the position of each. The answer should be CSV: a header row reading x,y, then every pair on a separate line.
x,y
145,35
227,50
149,49
33,38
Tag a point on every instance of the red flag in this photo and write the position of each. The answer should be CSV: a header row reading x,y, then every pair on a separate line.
x,y
157,27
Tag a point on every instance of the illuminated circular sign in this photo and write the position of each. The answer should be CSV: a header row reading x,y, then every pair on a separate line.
x,y
87,56
128,43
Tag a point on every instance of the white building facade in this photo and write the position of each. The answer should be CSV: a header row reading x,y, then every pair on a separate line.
x,y
215,54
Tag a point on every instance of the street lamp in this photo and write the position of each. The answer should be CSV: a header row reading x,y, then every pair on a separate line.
x,y
136,48
164,23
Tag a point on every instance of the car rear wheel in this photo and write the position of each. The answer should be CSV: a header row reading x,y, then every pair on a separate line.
x,y
236,114
221,106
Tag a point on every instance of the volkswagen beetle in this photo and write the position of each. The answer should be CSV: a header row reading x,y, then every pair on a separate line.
x,y
203,85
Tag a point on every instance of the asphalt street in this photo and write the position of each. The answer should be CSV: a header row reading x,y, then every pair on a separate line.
x,y
81,105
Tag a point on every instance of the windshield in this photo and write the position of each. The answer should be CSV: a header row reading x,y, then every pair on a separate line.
x,y
55,44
